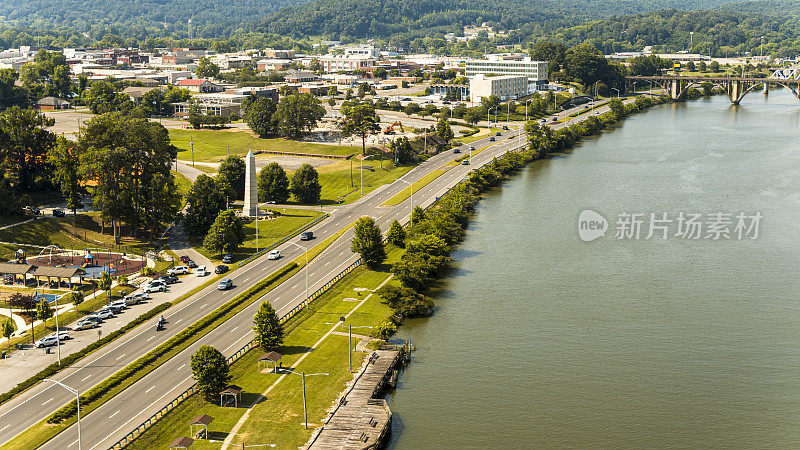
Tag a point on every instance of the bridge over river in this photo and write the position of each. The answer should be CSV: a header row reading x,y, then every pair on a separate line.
x,y
735,87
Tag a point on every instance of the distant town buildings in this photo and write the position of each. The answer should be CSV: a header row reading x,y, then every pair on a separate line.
x,y
504,86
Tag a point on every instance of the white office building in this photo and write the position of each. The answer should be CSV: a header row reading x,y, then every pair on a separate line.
x,y
506,87
535,71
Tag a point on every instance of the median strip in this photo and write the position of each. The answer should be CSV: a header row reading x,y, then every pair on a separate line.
x,y
401,196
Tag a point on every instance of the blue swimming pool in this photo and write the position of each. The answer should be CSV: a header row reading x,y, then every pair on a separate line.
x,y
49,297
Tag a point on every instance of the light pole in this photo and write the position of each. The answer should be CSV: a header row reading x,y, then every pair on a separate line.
x,y
305,406
411,185
191,144
691,39
58,336
306,249
350,344
77,398
362,170
762,46
617,92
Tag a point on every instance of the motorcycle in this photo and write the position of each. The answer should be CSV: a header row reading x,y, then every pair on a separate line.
x,y
160,326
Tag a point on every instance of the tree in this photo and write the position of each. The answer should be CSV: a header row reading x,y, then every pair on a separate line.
x,y
206,68
267,327
443,129
474,115
406,302
105,283
24,144
76,297
305,185
43,310
714,66
66,164
204,202
211,372
102,97
360,120
260,117
232,170
552,52
367,241
225,233
7,329
273,184
396,234
411,108
417,214
296,113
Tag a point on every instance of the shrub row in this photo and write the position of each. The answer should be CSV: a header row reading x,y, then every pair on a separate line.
x,y
52,369
150,361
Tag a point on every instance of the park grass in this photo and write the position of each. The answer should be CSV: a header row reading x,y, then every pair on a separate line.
x,y
76,232
11,219
183,184
269,231
336,184
401,196
214,145
278,418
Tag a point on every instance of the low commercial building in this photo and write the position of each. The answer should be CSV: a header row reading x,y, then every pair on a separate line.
x,y
347,64
53,103
199,85
506,87
457,92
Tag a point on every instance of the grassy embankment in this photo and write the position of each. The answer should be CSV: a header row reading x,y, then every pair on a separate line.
x,y
277,419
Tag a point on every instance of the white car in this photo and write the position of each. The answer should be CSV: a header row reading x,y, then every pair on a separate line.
x,y
201,271
62,335
118,304
154,286
178,270
104,314
46,341
275,254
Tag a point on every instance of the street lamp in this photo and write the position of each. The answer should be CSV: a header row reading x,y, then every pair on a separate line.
x,y
410,184
617,92
305,407
77,398
306,249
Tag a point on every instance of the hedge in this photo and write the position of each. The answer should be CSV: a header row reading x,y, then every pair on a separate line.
x,y
197,329
52,369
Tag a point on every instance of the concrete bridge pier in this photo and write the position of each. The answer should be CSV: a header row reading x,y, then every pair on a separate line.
x,y
676,89
766,88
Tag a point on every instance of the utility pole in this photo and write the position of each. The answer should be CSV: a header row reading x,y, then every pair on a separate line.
x,y
191,144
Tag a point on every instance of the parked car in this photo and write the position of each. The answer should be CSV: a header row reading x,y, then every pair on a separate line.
x,y
119,304
491,139
131,300
227,259
201,271
191,264
274,254
178,270
306,235
220,269
169,279
185,259
505,127
85,325
225,284
93,318
456,150
58,213
155,286
46,341
104,314
62,335
114,309
465,162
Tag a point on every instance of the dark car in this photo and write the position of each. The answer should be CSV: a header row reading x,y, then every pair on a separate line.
x,y
472,149
456,150
498,134
58,213
191,264
306,235
169,279
227,259
491,139
505,127
221,269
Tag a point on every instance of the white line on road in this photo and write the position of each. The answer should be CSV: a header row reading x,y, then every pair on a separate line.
x,y
120,356
246,280
204,305
112,416
149,389
234,329
51,399
1,429
150,338
182,366
75,442
86,377
178,321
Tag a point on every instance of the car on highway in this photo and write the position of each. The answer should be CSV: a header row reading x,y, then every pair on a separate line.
x,y
47,341
227,283
191,264
544,121
178,270
491,139
118,304
472,149
505,127
222,268
498,134
85,325
58,213
274,254
155,286
227,259
306,235
201,271
465,162
104,314
31,210
456,150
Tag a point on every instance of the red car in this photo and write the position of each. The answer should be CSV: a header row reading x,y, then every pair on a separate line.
x,y
184,259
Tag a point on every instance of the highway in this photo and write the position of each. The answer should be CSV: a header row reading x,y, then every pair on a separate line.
x,y
108,423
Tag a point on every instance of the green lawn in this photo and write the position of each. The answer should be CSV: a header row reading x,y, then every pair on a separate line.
x,y
213,145
400,197
183,184
336,182
269,231
278,418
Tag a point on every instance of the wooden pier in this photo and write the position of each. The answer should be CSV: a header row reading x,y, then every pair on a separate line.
x,y
362,420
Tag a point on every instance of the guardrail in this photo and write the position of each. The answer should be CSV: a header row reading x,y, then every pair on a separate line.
x,y
136,432
286,238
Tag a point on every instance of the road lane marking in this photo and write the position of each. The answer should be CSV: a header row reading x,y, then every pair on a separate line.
x,y
182,366
178,321
150,338
150,389
75,442
1,429
204,305
120,356
246,280
86,377
235,328
112,416
48,401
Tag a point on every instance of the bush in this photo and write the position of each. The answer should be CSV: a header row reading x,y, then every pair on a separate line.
x,y
147,272
384,330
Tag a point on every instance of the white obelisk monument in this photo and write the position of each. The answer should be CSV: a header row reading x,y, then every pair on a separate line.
x,y
250,187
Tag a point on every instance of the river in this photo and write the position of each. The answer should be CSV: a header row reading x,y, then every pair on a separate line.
x,y
542,340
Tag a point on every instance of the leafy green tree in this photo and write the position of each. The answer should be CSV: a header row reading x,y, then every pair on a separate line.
x,y
102,97
443,129
367,241
211,371
232,170
76,297
384,330
305,185
43,310
104,283
7,329
714,66
206,68
406,302
24,144
396,234
260,119
204,202
296,113
267,327
66,172
411,108
225,233
474,115
361,121
403,151
552,52
417,215
273,184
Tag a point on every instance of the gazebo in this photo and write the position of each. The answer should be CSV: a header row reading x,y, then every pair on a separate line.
x,y
181,442
231,391
201,423
271,357
59,273
14,271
